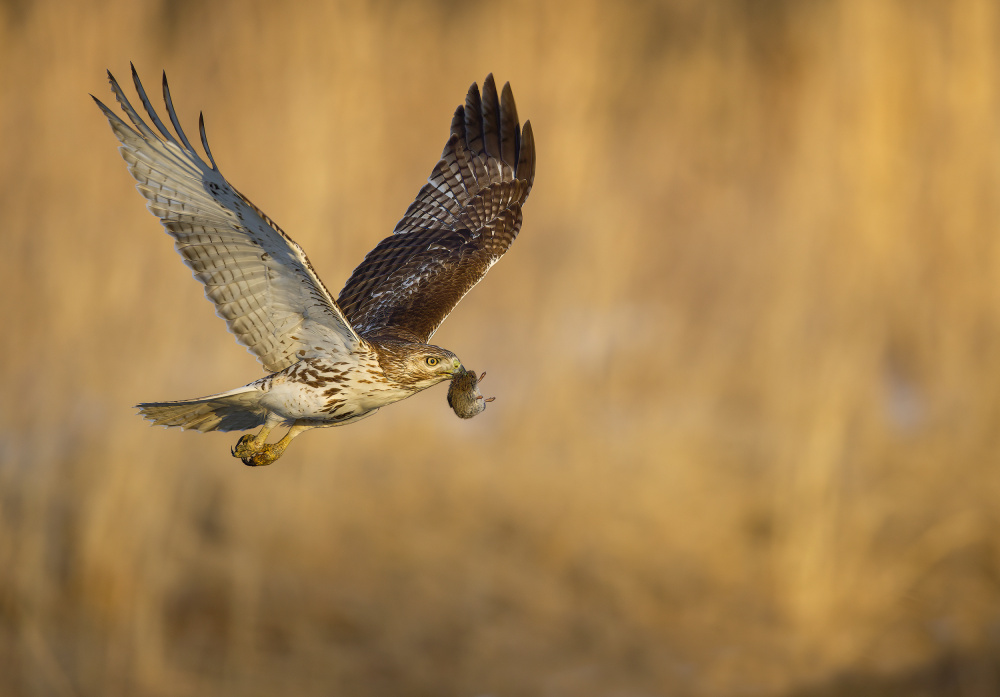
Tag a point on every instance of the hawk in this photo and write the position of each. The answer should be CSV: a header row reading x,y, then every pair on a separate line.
x,y
330,362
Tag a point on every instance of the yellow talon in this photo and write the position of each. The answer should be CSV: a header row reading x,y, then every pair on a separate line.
x,y
250,445
246,446
255,452
267,454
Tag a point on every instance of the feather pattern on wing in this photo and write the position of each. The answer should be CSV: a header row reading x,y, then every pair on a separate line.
x,y
260,280
462,221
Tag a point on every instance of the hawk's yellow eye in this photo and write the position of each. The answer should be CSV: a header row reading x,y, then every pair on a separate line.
x,y
432,361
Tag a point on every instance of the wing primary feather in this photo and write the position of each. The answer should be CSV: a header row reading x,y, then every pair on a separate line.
x,y
173,114
133,116
204,140
149,107
113,117
457,129
509,138
474,120
491,118
526,157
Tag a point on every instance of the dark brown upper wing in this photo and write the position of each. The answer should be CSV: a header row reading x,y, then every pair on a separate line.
x,y
462,222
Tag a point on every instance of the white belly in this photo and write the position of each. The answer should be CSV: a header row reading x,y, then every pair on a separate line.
x,y
326,392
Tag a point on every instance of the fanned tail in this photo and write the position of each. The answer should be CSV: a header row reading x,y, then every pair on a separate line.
x,y
237,410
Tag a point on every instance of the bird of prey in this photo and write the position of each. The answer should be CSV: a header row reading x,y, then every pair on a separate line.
x,y
330,361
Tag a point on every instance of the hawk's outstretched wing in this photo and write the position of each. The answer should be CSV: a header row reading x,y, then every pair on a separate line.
x,y
261,282
462,222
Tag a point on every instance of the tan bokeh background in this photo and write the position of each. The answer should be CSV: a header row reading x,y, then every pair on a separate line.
x,y
745,354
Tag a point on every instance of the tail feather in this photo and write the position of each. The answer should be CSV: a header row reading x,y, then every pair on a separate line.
x,y
237,410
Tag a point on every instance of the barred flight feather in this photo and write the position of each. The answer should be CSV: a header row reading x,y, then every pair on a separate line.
x,y
463,220
260,281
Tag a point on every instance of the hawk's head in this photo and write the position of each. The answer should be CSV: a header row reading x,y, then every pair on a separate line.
x,y
416,365
431,364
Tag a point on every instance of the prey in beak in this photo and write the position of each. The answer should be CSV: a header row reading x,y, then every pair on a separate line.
x,y
464,396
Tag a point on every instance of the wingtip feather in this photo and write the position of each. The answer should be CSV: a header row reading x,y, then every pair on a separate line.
x,y
510,137
474,119
204,140
491,118
173,114
526,156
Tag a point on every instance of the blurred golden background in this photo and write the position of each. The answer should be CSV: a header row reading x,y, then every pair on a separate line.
x,y
745,354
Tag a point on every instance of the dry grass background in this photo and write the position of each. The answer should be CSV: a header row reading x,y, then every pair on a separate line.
x,y
745,355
